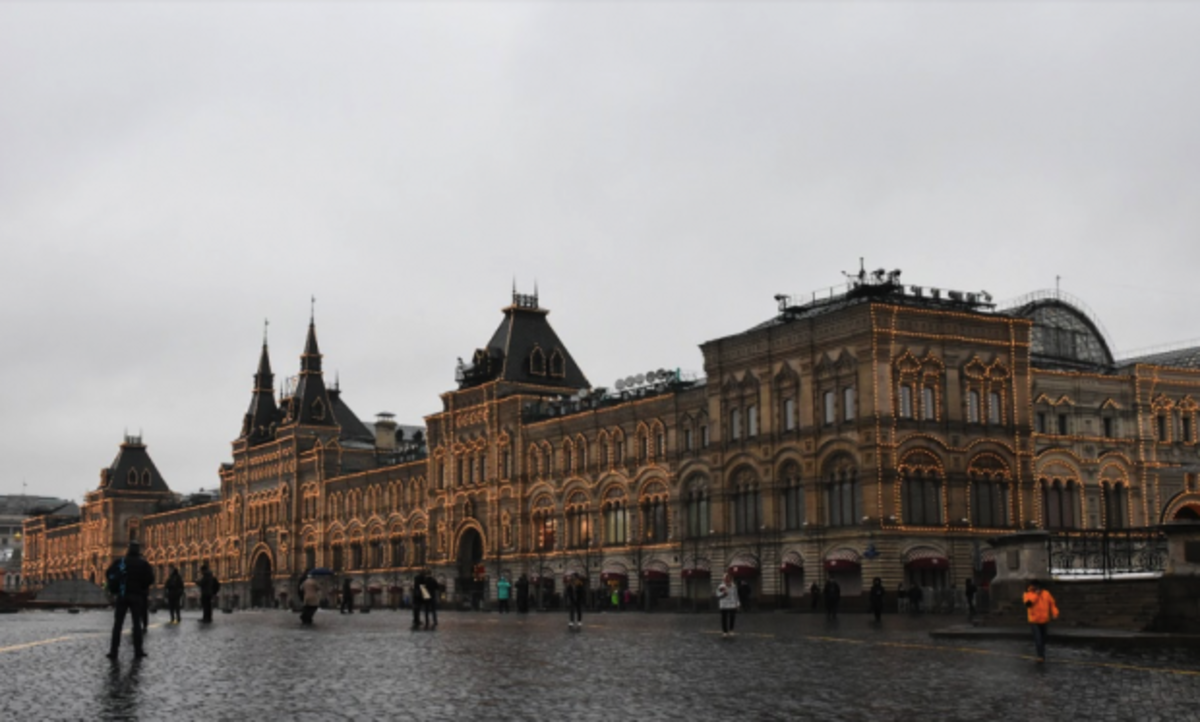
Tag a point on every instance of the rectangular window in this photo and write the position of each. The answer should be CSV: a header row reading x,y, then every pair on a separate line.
x,y
735,424
1185,429
1040,422
994,407
1108,427
928,403
687,439
789,414
660,443
906,402
830,407
704,436
1163,434
1062,424
973,407
752,421
848,403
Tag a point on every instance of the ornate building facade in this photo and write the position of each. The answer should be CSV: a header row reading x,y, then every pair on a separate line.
x,y
887,430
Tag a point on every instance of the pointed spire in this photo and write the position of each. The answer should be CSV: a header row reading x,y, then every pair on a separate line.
x,y
310,360
263,411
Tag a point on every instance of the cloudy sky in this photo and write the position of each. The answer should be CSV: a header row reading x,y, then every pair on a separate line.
x,y
172,174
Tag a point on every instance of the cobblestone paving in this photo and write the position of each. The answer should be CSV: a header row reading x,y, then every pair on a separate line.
x,y
263,665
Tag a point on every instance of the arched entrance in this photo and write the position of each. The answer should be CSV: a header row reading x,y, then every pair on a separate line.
x,y
261,589
1191,512
471,580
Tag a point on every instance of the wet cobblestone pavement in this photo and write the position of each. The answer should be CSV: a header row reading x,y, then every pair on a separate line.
x,y
263,665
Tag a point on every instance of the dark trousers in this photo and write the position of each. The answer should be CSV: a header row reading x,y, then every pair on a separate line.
x,y
831,610
206,605
417,604
1039,639
430,611
575,610
971,604
134,606
878,610
348,603
503,605
173,607
306,614
728,617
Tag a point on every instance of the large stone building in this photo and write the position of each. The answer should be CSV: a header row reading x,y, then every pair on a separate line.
x,y
886,430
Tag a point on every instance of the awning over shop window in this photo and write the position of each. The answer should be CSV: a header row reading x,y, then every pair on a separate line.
x,y
843,559
374,588
613,576
654,575
696,573
925,558
789,568
792,563
743,571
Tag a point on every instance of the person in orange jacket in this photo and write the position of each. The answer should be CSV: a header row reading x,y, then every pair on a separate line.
x,y
1039,610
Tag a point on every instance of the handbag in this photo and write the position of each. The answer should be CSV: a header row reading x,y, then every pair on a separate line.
x,y
425,593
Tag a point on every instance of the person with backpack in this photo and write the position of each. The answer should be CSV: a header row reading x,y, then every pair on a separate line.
x,y
174,587
129,580
209,586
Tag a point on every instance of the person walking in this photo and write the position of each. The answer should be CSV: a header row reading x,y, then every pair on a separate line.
x,y
174,588
1039,610
310,598
522,594
969,590
875,596
347,597
575,594
129,580
430,602
209,586
833,597
901,598
815,591
419,593
503,590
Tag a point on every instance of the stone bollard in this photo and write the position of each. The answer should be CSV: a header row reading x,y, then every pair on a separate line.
x,y
1020,558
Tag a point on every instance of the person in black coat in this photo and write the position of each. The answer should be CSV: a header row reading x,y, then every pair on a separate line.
x,y
347,597
523,594
875,596
129,580
174,587
418,598
969,589
209,586
833,597
815,591
430,604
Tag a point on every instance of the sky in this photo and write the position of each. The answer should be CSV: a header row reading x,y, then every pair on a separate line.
x,y
173,174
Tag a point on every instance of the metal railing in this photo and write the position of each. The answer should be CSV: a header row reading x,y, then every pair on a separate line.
x,y
1107,553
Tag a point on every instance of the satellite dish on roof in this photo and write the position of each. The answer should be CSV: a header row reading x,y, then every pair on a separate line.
x,y
640,378
620,384
651,377
630,381
665,375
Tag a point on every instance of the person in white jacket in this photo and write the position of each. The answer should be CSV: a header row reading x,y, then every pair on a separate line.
x,y
727,601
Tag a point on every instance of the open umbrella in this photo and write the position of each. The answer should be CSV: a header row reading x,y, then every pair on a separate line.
x,y
321,572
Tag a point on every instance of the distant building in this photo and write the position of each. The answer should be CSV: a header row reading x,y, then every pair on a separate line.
x,y
13,511
885,430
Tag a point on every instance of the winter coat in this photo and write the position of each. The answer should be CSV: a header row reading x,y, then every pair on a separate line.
x,y
311,589
1040,607
727,596
174,585
208,584
876,597
502,589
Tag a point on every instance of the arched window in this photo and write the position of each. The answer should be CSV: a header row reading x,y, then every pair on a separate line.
x,y
1116,505
746,504
654,519
843,497
579,531
1060,503
990,493
793,496
921,491
537,362
699,522
616,523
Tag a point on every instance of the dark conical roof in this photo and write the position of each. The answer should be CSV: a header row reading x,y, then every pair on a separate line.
x,y
263,414
133,470
310,403
526,350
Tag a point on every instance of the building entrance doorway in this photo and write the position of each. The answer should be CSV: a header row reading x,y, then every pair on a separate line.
x,y
472,579
261,590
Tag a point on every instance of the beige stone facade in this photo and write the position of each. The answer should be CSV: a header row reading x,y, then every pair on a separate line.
x,y
883,432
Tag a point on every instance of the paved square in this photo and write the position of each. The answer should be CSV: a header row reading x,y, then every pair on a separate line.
x,y
263,665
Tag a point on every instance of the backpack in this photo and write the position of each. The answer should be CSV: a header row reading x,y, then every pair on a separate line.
x,y
117,575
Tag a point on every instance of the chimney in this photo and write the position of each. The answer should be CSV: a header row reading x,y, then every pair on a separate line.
x,y
385,431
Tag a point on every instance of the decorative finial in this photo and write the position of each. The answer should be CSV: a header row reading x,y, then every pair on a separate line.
x,y
266,323
312,310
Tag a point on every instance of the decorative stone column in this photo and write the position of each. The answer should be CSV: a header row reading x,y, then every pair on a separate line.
x,y
1020,558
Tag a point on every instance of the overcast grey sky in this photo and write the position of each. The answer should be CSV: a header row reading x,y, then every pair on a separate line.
x,y
173,173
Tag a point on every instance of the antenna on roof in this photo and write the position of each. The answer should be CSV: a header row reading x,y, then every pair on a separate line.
x,y
312,309
266,323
